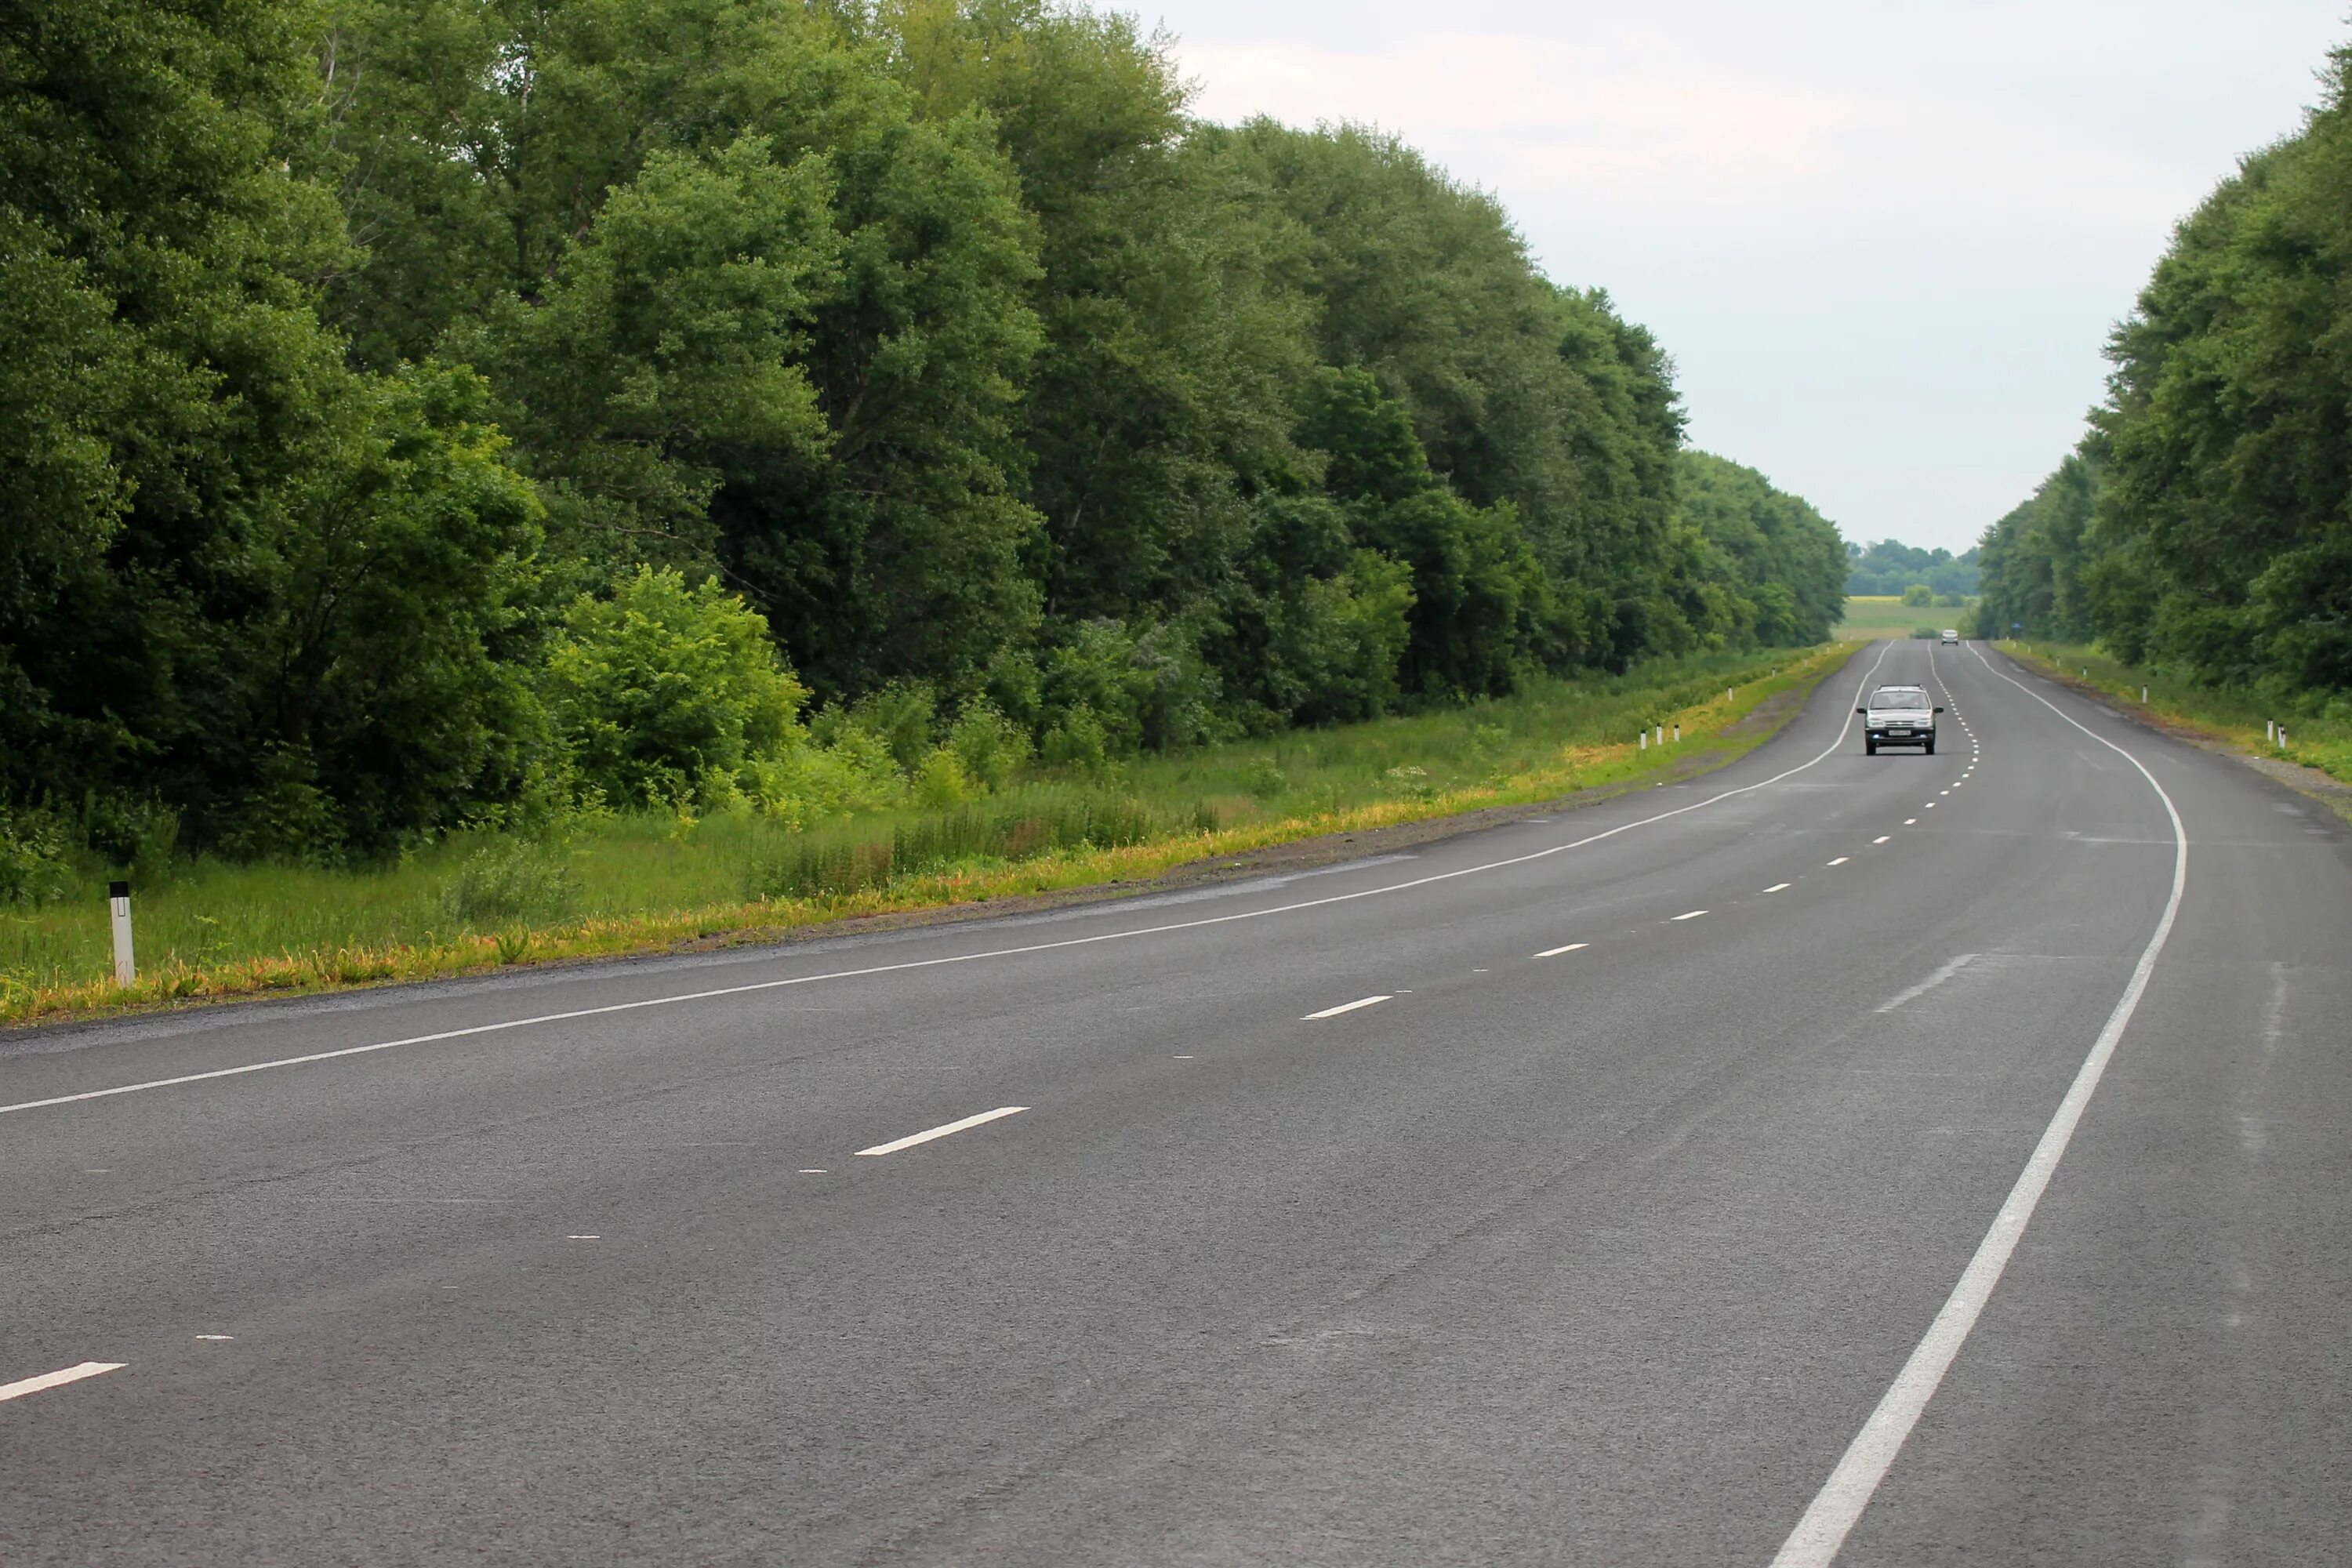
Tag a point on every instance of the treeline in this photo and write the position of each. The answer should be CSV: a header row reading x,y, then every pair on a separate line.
x,y
1889,567
423,413
2204,523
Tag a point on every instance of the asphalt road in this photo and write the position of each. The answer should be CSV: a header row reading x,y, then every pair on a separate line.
x,y
1604,1256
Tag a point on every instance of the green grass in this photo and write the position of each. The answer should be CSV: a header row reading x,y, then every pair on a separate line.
x,y
2315,739
1873,618
634,882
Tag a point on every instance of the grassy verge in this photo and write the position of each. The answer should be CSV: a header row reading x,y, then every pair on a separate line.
x,y
644,883
2315,741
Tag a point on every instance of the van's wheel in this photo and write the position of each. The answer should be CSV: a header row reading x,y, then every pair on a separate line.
x,y
1931,745
1870,747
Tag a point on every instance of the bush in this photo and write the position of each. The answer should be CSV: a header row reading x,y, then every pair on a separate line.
x,y
807,784
511,882
902,715
941,781
991,746
1917,595
33,868
1078,741
139,832
665,693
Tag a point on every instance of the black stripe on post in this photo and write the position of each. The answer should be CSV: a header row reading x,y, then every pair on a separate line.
x,y
117,889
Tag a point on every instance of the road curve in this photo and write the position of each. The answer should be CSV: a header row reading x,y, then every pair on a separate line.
x,y
1572,1192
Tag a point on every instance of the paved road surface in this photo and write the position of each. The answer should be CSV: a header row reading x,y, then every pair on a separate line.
x,y
1605,1257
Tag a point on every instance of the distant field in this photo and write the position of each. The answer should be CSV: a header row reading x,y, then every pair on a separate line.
x,y
1869,619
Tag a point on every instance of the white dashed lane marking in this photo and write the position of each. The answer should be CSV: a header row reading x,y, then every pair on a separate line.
x,y
925,1136
1344,1008
49,1379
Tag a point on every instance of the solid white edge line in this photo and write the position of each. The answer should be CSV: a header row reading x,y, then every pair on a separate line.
x,y
1345,1007
757,985
54,1379
1556,951
912,1139
1814,1544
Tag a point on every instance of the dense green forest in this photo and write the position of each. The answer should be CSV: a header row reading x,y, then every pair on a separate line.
x,y
1888,567
434,413
2204,523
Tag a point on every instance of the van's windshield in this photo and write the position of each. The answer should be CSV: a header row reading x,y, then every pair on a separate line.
x,y
1899,696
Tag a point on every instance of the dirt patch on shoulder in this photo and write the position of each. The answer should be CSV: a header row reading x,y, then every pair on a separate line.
x,y
1769,714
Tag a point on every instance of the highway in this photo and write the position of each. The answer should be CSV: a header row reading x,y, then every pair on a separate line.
x,y
1896,1160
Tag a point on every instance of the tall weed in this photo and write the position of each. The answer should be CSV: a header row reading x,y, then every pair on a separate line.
x,y
854,857
509,882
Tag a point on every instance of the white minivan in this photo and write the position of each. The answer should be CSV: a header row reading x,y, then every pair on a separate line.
x,y
1899,716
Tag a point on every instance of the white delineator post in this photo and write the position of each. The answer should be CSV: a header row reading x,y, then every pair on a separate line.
x,y
1645,738
118,904
1678,734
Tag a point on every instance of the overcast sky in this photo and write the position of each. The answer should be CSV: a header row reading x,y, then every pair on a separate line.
x,y
1885,241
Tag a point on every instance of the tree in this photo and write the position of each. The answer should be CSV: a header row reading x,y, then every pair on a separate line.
x,y
266,590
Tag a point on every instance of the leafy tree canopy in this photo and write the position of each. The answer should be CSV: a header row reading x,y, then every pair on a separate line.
x,y
424,410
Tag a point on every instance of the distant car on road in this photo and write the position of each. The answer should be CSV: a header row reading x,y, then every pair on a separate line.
x,y
1951,637
1899,716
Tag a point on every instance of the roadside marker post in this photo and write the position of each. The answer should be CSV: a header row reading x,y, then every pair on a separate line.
x,y
1678,734
117,903
1645,738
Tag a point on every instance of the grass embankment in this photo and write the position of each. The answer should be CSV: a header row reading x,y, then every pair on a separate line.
x,y
2313,739
1873,618
642,883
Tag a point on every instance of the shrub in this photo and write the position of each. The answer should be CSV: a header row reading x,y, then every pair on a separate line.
x,y
511,882
33,868
1078,741
901,715
663,693
991,746
941,781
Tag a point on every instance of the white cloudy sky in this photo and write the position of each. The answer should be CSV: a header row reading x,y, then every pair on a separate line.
x,y
1883,241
